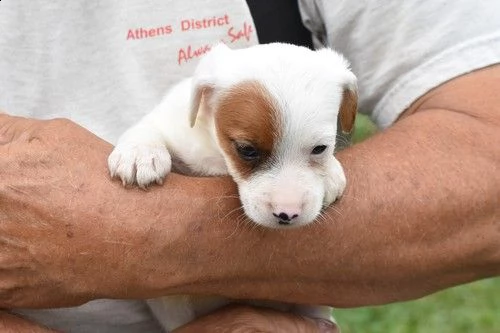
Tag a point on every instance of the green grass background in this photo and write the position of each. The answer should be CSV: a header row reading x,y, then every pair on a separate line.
x,y
471,308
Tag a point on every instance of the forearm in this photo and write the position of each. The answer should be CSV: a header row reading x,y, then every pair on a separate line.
x,y
417,216
420,214
425,210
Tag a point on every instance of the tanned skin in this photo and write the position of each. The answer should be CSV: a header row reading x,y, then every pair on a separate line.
x,y
10,323
421,213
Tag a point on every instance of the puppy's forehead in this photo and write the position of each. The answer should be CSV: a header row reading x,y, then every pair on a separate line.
x,y
247,113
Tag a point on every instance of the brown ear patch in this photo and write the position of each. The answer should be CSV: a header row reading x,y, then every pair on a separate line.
x,y
247,113
347,112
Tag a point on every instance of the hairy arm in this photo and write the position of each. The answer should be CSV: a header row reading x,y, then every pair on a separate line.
x,y
421,213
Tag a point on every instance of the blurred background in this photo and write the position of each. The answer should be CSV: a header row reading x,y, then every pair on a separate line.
x,y
472,308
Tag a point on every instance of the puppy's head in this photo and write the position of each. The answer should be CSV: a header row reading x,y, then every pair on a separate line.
x,y
275,110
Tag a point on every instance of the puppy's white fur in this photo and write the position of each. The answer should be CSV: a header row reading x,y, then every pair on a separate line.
x,y
307,89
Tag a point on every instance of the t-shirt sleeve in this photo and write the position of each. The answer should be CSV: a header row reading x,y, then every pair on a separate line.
x,y
399,50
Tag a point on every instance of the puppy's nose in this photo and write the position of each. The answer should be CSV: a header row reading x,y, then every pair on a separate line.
x,y
285,217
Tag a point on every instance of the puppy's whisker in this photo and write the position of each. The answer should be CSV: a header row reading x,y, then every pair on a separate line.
x,y
242,218
240,221
314,224
234,232
322,218
218,200
232,212
335,210
343,138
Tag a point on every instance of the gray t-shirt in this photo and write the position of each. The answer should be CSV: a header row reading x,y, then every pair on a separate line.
x,y
399,50
104,64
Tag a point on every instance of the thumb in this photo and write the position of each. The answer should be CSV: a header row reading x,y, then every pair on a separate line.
x,y
242,318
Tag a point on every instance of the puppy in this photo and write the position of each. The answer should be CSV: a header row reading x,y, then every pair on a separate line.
x,y
266,115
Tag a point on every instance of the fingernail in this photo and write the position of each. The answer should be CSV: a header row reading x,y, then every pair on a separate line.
x,y
326,326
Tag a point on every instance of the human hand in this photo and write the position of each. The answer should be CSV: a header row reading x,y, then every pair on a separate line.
x,y
246,319
60,243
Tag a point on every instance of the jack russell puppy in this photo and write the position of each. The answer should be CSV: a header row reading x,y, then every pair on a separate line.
x,y
266,115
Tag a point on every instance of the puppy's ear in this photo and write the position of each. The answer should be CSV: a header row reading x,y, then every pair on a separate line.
x,y
337,67
349,103
207,77
200,102
347,110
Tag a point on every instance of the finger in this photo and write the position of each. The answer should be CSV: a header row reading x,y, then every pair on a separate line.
x,y
246,319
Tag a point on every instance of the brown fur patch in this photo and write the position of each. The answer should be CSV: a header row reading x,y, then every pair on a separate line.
x,y
347,112
247,113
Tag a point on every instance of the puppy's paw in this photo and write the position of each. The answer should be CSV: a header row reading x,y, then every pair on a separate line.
x,y
140,163
335,183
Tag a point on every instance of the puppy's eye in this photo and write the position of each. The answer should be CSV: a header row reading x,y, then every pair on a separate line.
x,y
318,150
247,152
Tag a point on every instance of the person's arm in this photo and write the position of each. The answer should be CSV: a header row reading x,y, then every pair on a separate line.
x,y
241,318
10,323
420,214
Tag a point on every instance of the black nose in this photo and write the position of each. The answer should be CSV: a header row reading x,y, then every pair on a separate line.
x,y
284,218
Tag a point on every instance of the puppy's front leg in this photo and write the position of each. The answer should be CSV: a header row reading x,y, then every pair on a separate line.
x,y
141,155
335,181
